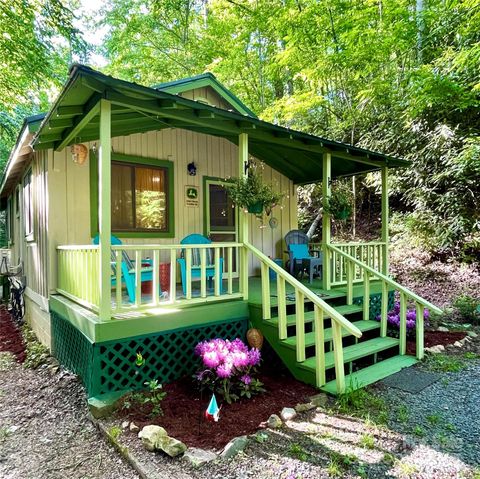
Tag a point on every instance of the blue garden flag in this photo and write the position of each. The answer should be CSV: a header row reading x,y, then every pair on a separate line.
x,y
213,411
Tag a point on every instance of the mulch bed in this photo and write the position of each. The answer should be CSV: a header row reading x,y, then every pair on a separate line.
x,y
434,338
11,339
184,411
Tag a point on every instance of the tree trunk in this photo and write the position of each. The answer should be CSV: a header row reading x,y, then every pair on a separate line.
x,y
314,224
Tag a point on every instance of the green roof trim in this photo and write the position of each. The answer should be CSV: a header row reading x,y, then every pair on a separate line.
x,y
205,80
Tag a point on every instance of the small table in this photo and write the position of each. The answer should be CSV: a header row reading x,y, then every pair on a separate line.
x,y
312,264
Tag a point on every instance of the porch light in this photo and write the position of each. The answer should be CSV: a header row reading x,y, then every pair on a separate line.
x,y
192,169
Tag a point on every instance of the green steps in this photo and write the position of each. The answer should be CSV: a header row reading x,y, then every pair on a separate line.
x,y
344,310
363,326
372,374
354,352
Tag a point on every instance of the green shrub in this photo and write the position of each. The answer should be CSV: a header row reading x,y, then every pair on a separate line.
x,y
467,308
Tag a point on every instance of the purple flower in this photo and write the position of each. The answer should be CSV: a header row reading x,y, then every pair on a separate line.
x,y
246,379
254,357
240,359
224,370
211,359
238,345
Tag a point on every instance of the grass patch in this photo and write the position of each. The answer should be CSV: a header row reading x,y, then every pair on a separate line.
x,y
363,404
114,432
419,431
444,363
433,419
339,463
6,361
402,414
4,433
36,353
367,441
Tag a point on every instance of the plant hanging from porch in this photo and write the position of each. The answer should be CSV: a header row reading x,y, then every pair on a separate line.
x,y
252,194
340,204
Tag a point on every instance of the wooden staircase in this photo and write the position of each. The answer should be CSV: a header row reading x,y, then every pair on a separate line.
x,y
366,360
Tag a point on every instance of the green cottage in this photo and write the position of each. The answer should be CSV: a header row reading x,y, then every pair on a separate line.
x,y
131,246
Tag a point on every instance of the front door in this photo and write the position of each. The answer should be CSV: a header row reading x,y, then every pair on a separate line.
x,y
221,217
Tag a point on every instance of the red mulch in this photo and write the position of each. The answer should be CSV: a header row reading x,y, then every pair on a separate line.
x,y
11,339
434,338
183,411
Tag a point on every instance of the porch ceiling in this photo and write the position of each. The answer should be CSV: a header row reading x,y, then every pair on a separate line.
x,y
74,118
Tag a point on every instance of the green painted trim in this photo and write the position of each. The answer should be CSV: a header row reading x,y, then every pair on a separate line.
x,y
138,160
201,81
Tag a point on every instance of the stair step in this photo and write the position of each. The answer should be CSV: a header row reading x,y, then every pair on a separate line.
x,y
372,374
363,326
354,352
344,310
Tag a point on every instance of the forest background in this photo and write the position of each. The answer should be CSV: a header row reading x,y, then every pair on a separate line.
x,y
398,76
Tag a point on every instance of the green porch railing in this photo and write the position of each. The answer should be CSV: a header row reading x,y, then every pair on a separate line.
x,y
322,310
78,274
353,265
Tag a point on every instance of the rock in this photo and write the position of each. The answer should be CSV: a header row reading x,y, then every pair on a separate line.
x,y
435,349
12,429
442,329
304,407
197,457
134,427
274,422
457,344
235,446
125,424
288,413
319,400
152,436
171,446
472,334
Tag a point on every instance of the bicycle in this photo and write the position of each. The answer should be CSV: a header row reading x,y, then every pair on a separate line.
x,y
17,303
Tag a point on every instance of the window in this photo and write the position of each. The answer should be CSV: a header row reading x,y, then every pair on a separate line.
x,y
10,220
139,197
28,203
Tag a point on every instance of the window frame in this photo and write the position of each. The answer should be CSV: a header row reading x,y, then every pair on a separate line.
x,y
137,161
28,206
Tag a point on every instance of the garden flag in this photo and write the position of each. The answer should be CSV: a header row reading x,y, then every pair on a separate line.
x,y
213,411
140,361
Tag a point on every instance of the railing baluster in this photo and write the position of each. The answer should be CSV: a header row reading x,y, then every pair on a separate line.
x,y
156,277
138,278
188,268
384,310
338,357
266,309
118,279
217,271
282,307
350,267
173,276
203,273
230,269
419,330
366,295
319,347
300,324
403,324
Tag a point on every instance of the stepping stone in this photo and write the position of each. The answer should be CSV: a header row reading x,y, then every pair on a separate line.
x,y
411,380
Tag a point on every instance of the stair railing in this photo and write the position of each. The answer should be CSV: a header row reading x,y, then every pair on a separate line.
x,y
388,284
322,310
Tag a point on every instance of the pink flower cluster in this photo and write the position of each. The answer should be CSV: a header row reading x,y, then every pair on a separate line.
x,y
228,358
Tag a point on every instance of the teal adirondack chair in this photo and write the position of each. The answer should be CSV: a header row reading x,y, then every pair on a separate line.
x,y
196,262
128,269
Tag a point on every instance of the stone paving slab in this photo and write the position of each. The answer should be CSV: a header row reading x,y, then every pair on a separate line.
x,y
411,380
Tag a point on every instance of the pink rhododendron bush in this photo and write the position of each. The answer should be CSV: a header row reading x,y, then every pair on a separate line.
x,y
228,368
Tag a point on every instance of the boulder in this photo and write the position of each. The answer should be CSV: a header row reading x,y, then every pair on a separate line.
x,y
319,400
442,329
274,422
152,436
472,334
133,427
171,446
435,349
125,424
288,413
235,446
197,457
304,407
458,344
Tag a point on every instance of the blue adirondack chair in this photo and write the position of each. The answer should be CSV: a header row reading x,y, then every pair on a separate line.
x,y
299,255
128,269
196,262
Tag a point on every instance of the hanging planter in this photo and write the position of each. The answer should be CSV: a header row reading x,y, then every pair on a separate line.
x,y
252,194
338,205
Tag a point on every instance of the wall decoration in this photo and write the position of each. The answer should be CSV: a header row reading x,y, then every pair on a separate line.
x,y
191,196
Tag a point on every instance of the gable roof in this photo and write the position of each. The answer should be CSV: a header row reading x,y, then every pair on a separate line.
x,y
205,80
74,118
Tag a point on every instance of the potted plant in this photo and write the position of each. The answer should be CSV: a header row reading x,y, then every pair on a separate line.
x,y
339,205
252,194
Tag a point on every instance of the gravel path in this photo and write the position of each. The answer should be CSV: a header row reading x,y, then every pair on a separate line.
x,y
45,432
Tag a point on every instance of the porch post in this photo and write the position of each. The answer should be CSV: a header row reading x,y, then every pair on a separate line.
x,y
104,211
326,225
385,266
243,215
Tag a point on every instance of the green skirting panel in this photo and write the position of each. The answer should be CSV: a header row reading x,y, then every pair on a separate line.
x,y
376,303
110,366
